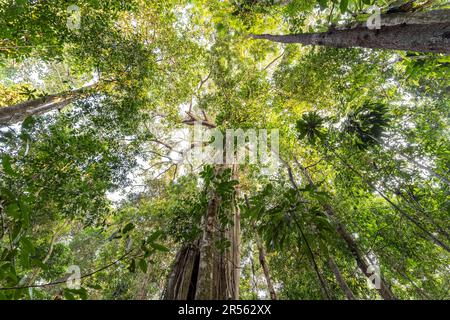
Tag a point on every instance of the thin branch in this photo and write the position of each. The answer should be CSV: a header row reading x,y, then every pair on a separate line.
x,y
273,61
65,279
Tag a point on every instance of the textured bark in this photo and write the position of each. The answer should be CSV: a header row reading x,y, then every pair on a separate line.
x,y
203,272
265,266
410,18
384,290
236,240
18,112
430,37
205,281
182,281
340,279
227,263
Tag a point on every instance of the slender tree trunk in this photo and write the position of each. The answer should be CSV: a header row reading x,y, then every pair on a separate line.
x,y
36,272
384,290
324,287
323,284
263,260
340,279
430,37
427,169
401,271
254,282
142,293
265,266
18,112
394,206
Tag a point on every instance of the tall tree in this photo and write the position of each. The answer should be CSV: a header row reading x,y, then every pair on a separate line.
x,y
425,32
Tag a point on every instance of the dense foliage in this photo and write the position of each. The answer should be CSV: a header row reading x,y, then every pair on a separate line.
x,y
103,184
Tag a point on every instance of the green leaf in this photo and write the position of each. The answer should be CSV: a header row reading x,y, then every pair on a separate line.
x,y
128,228
6,164
13,210
323,3
132,266
28,123
82,292
25,259
343,6
159,247
142,265
68,295
25,211
94,286
27,245
155,235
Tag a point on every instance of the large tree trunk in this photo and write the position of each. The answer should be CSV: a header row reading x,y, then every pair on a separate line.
x,y
208,279
18,112
407,34
398,18
182,281
202,271
236,235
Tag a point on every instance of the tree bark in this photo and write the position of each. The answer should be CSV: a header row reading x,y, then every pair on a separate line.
x,y
265,266
430,37
410,18
215,273
202,271
254,282
340,279
205,281
182,281
236,231
18,112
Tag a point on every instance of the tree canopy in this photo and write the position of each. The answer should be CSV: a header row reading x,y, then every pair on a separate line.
x,y
96,173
